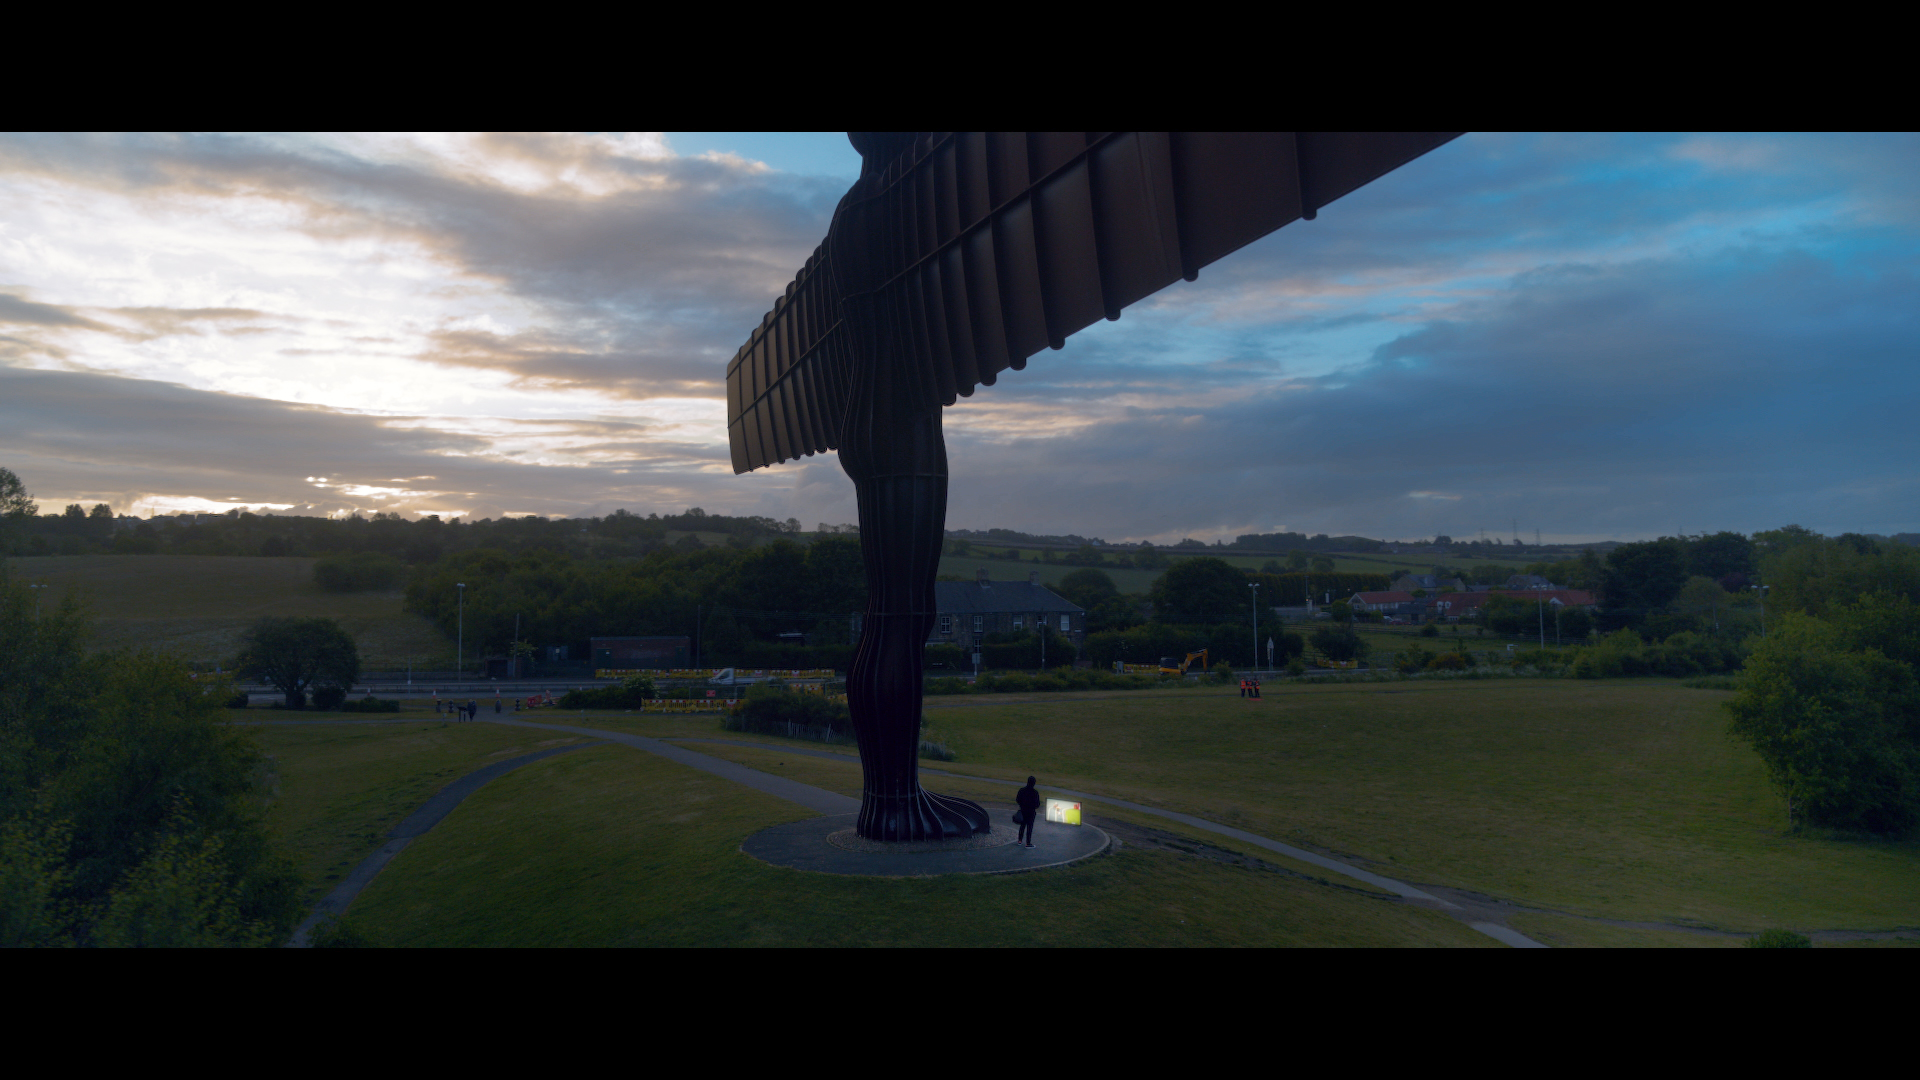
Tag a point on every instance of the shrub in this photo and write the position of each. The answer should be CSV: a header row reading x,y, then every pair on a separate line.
x,y
771,710
1296,667
371,705
1223,672
1778,939
1338,643
329,698
237,701
632,693
1451,661
1412,661
1429,630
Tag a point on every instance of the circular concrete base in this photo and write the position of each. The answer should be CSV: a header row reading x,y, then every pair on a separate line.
x,y
809,845
849,840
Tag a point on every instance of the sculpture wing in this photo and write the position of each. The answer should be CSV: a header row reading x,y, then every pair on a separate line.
x,y
1000,244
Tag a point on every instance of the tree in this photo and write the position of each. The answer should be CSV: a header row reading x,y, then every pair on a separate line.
x,y
297,653
128,806
1297,560
1339,643
1718,555
1838,730
1087,588
1646,576
1322,565
15,502
16,509
1202,589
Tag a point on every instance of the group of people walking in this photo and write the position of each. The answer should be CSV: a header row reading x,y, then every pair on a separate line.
x,y
1250,687
467,712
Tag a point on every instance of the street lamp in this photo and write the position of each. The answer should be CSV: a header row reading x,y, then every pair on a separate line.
x,y
1762,591
36,601
460,653
1255,586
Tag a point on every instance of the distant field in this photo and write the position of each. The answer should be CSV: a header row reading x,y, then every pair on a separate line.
x,y
1127,581
1139,581
196,606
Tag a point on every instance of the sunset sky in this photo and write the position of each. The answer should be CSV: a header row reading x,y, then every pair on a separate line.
x,y
1596,336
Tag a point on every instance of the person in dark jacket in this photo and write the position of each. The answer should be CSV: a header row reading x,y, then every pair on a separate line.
x,y
1029,801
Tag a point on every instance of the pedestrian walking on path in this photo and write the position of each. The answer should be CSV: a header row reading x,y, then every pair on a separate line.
x,y
1029,801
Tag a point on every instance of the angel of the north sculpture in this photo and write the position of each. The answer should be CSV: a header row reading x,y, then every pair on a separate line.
x,y
957,255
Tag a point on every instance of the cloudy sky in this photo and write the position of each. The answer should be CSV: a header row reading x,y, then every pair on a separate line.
x,y
1594,336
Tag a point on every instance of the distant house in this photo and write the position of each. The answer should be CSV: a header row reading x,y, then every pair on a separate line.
x,y
1452,607
1529,581
640,652
967,611
1392,604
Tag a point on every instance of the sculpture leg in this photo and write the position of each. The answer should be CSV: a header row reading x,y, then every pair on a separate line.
x,y
903,518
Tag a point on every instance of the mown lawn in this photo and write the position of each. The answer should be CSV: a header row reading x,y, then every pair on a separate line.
x,y
1620,800
612,846
341,788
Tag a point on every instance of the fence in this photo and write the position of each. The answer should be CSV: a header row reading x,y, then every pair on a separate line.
x,y
709,673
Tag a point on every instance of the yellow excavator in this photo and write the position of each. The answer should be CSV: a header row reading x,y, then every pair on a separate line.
x,y
1171,666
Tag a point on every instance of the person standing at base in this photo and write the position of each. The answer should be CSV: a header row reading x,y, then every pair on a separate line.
x,y
1029,802
473,709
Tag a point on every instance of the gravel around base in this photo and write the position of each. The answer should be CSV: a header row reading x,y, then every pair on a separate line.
x,y
849,840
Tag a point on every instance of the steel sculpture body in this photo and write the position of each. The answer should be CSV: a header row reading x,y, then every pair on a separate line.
x,y
955,256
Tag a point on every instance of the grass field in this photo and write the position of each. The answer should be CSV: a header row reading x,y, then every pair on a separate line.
x,y
341,788
609,846
196,606
1595,802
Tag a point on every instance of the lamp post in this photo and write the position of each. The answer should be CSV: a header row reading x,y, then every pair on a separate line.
x,y
1255,586
36,600
460,650
1761,591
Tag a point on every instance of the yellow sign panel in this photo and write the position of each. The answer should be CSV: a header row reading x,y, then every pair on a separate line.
x,y
1063,812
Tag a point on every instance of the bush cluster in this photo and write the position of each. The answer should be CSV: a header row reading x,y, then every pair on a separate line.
x,y
630,694
1622,653
776,710
370,705
129,808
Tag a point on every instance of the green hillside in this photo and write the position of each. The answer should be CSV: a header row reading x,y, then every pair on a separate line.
x,y
196,606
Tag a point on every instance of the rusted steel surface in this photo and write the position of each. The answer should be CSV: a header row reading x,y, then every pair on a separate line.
x,y
978,249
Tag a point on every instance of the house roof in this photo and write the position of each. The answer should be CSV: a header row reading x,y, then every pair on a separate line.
x,y
1384,597
971,597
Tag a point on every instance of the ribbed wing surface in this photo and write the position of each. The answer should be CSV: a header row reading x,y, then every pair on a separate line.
x,y
1002,243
